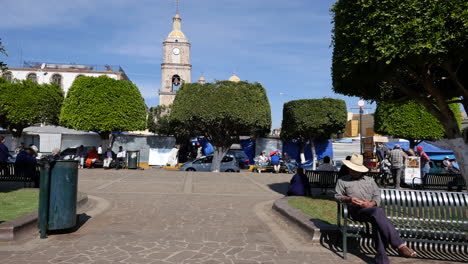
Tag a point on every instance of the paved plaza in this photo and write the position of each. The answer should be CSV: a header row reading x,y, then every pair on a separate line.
x,y
157,216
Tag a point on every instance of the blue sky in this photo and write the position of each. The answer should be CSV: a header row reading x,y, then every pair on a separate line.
x,y
285,45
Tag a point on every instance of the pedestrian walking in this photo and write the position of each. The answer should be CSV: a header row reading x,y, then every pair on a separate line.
x,y
397,159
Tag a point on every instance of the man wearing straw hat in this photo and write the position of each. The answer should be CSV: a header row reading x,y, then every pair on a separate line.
x,y
363,196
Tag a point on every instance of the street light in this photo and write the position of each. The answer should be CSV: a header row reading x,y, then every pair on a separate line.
x,y
361,111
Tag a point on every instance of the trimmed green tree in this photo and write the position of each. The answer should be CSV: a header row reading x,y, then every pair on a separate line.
x,y
103,105
409,120
158,121
393,51
309,120
222,112
25,103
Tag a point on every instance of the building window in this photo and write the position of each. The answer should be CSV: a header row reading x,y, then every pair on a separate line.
x,y
32,77
57,78
7,76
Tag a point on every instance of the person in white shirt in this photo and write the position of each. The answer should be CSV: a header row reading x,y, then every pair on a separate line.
x,y
99,152
263,160
120,158
108,159
326,166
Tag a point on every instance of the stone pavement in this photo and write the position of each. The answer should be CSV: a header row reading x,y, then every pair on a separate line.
x,y
157,216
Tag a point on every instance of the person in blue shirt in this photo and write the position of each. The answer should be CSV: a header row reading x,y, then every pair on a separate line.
x,y
4,153
275,161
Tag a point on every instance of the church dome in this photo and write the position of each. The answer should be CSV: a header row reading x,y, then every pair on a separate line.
x,y
177,27
176,34
202,80
234,78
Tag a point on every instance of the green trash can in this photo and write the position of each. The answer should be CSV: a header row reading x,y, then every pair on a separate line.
x,y
57,195
133,158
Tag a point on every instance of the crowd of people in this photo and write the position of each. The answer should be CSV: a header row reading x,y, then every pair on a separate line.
x,y
88,159
275,159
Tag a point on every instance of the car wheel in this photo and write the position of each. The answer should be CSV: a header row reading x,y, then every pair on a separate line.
x,y
229,170
190,169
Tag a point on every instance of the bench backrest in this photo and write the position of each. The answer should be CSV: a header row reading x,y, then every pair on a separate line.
x,y
443,180
328,178
425,205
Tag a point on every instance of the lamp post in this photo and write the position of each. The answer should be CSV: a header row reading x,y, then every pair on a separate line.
x,y
361,111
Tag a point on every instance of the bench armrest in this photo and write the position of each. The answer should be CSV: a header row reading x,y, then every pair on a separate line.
x,y
342,211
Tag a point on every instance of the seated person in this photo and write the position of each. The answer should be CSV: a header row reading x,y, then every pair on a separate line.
x,y
26,157
108,159
362,195
120,158
92,158
326,166
262,161
275,161
288,162
448,166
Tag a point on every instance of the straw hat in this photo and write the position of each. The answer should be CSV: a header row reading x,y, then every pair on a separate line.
x,y
356,163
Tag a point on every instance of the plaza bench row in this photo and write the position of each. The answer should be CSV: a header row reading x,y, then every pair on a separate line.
x,y
328,179
27,174
442,182
419,216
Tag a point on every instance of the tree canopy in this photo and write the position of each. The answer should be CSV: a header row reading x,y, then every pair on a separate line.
x,y
394,51
391,50
103,105
409,120
317,119
222,112
25,103
158,120
313,120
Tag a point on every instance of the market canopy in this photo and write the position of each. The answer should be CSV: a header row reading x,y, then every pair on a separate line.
x,y
432,151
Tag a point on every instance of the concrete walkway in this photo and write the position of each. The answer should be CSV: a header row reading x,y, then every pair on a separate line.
x,y
157,216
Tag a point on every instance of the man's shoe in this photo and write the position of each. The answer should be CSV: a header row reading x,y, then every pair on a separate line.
x,y
407,252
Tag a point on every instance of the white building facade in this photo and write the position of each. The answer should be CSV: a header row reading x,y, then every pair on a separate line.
x,y
62,74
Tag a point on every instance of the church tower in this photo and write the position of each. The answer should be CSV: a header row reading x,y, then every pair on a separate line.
x,y
176,68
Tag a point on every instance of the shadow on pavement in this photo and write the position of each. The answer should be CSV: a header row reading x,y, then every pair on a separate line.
x,y
81,219
363,249
281,187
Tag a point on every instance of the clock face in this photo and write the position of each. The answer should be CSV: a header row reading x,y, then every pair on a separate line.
x,y
176,51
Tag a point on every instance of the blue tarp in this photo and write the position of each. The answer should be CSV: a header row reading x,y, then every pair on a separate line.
x,y
322,149
248,146
206,146
434,153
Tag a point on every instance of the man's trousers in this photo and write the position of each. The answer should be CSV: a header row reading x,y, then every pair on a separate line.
x,y
386,233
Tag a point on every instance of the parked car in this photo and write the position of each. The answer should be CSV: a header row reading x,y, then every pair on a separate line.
x,y
70,153
228,164
241,158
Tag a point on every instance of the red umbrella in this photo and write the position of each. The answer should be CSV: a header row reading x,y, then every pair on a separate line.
x,y
274,152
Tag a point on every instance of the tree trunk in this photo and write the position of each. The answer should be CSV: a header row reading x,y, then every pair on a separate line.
x,y
460,148
314,155
218,155
15,143
302,150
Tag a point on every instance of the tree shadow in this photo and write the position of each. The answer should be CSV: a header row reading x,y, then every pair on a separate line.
x,y
280,187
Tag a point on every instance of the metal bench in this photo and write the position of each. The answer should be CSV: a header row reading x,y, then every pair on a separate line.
x,y
328,179
419,216
20,173
436,181
322,179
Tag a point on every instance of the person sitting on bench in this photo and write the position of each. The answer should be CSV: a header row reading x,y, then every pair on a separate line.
x,y
363,196
120,158
262,161
108,159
